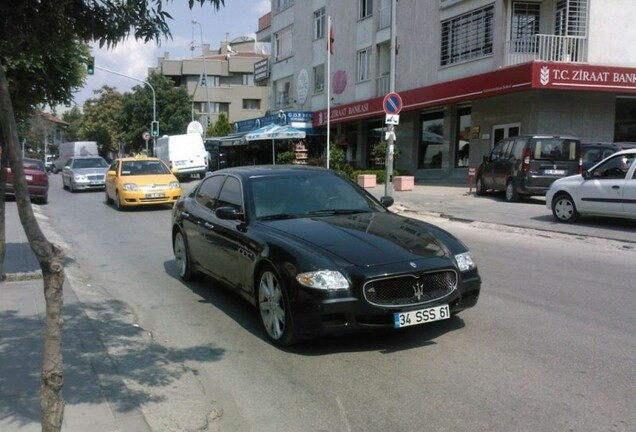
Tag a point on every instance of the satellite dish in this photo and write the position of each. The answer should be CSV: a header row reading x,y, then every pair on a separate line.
x,y
195,127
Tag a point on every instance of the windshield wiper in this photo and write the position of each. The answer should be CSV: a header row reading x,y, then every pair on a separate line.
x,y
337,211
278,216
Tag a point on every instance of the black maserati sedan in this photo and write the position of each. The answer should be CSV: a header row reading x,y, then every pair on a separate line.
x,y
317,254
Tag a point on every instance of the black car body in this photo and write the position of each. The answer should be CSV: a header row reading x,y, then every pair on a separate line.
x,y
317,254
528,164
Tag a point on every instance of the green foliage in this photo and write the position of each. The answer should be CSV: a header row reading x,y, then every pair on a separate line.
x,y
100,119
286,157
337,158
220,128
74,118
174,111
379,151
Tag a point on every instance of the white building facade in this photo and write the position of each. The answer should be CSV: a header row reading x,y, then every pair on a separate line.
x,y
469,72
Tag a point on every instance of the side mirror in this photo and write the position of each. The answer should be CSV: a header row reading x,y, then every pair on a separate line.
x,y
586,174
387,201
111,173
175,171
229,213
486,158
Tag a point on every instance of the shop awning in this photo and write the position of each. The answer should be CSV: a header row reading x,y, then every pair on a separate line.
x,y
274,132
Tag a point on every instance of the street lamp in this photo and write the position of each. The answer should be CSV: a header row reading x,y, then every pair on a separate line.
x,y
205,73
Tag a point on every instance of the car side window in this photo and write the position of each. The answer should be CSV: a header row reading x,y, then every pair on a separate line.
x,y
231,195
497,152
517,149
614,168
208,192
507,152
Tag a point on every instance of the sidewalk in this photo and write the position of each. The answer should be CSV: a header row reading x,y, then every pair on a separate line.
x,y
90,376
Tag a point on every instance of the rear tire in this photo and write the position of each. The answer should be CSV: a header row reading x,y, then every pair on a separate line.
x,y
480,187
182,256
563,208
511,192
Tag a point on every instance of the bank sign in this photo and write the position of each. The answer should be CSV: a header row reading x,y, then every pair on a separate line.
x,y
571,76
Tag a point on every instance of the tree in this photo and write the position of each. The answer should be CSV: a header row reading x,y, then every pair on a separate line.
x,y
221,127
100,122
173,110
74,119
43,54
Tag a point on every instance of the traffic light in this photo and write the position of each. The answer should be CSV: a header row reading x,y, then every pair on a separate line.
x,y
154,128
90,67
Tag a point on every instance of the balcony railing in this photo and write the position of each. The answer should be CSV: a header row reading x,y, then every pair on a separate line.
x,y
552,48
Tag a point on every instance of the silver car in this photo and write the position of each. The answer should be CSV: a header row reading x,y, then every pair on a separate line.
x,y
84,173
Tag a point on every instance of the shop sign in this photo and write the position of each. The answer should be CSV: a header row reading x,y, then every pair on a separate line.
x,y
261,70
582,77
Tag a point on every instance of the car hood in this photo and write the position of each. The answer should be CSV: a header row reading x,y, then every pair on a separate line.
x,y
146,180
365,239
87,171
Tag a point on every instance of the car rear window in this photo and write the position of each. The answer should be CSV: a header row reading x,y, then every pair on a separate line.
x,y
555,149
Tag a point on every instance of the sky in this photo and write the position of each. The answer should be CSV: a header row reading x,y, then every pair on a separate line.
x,y
131,58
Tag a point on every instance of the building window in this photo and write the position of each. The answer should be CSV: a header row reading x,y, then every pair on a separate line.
x,y
462,137
319,78
431,148
248,79
282,88
525,25
467,36
283,44
571,18
212,81
251,104
365,8
319,23
363,64
283,4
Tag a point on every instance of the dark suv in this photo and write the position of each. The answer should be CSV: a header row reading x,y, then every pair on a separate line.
x,y
528,164
592,153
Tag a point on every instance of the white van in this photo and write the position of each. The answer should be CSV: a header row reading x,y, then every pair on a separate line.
x,y
71,149
186,153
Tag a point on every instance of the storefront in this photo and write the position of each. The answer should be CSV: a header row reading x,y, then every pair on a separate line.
x,y
448,127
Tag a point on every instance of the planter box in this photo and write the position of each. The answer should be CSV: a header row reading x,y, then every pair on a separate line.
x,y
367,180
403,183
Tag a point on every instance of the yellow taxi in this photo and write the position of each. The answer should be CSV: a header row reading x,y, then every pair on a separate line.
x,y
140,181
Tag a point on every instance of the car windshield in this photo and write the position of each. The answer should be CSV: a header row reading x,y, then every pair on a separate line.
x,y
555,149
146,167
89,163
305,194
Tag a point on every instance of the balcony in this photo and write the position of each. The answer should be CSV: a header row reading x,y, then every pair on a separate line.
x,y
550,48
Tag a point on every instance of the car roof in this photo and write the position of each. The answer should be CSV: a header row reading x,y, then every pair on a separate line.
x,y
137,159
270,170
626,151
86,157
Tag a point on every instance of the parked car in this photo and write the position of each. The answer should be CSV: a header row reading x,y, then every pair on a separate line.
x,y
593,153
527,165
36,177
84,173
317,254
141,181
606,189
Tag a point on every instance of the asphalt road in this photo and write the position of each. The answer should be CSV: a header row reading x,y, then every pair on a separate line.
x,y
549,347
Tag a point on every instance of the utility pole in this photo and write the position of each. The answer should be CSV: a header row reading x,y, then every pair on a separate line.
x,y
205,74
388,182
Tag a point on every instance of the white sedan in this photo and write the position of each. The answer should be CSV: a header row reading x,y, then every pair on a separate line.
x,y
606,189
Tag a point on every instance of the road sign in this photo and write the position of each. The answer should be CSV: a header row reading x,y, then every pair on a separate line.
x,y
392,119
145,135
392,103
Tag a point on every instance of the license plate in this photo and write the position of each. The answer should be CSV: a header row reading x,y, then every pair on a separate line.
x,y
29,177
155,195
405,319
96,182
554,172
179,163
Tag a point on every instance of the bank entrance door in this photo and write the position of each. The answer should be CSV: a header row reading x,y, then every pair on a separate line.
x,y
500,132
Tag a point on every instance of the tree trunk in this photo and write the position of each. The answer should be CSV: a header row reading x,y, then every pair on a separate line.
x,y
50,259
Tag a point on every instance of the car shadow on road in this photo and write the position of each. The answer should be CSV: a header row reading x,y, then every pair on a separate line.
x,y
382,340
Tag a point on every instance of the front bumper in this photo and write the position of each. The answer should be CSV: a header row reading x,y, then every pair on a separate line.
x,y
141,198
319,313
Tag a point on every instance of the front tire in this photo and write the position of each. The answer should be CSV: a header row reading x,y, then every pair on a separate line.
x,y
564,209
182,256
118,203
511,192
274,310
109,201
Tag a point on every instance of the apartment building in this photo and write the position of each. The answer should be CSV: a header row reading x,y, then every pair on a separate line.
x,y
221,81
469,72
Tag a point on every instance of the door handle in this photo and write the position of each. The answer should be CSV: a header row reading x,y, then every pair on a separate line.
x,y
185,214
616,187
208,225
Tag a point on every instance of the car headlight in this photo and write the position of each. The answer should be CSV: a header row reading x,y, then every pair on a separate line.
x,y
174,185
80,177
465,261
130,187
323,279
